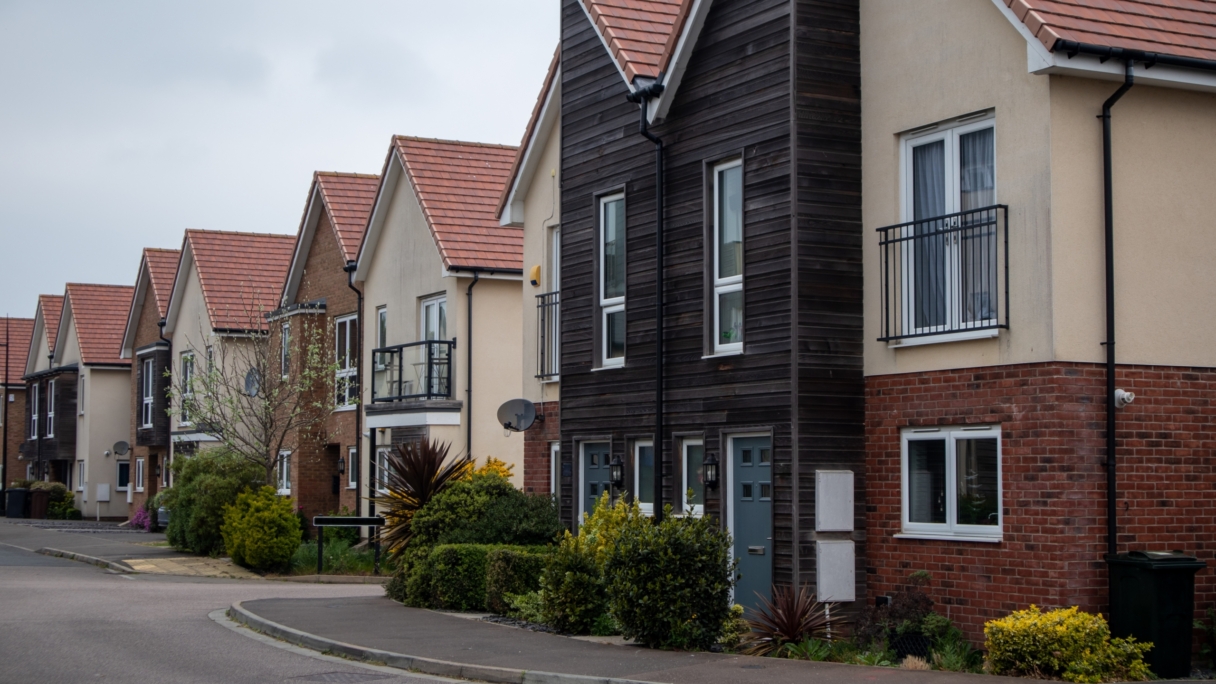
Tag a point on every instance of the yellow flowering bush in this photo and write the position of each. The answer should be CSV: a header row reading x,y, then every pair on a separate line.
x,y
492,466
1065,643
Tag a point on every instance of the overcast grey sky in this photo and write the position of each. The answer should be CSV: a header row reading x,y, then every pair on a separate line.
x,y
123,123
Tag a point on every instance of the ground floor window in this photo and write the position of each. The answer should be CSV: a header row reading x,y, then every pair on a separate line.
x,y
352,467
80,472
693,491
164,470
555,465
139,474
952,481
643,476
382,469
284,473
124,476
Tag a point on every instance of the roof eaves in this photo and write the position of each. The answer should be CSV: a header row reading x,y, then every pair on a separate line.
x,y
538,127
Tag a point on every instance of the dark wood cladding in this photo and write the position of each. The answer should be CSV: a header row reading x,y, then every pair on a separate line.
x,y
62,445
776,82
158,434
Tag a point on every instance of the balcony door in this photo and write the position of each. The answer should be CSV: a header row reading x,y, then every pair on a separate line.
x,y
950,271
433,363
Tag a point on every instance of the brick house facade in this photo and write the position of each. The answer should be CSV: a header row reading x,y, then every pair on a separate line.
x,y
16,335
538,445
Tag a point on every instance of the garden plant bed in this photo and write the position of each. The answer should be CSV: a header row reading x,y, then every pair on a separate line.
x,y
521,624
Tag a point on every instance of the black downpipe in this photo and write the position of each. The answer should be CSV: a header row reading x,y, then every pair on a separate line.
x,y
350,282
1112,538
164,459
468,387
642,97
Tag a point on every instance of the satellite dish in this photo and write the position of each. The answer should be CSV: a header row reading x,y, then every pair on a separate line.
x,y
121,448
253,382
517,415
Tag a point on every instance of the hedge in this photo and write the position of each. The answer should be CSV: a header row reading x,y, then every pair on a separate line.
x,y
454,576
511,571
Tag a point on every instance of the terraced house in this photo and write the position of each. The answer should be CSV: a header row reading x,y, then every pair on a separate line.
x,y
16,334
42,455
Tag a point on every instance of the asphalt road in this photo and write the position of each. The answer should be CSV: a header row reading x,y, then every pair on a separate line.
x,y
63,621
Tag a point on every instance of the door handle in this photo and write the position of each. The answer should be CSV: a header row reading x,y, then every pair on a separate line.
x,y
755,550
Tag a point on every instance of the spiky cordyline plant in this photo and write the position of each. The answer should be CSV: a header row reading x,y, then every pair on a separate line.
x,y
790,618
416,473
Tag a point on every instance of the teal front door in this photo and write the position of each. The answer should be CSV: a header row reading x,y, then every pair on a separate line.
x,y
597,474
752,507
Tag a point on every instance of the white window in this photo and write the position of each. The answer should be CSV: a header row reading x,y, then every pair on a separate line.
x,y
187,386
284,473
285,349
50,408
693,491
80,395
555,467
209,356
728,257
34,408
29,471
381,326
382,469
165,467
949,262
952,482
434,319
139,474
124,476
80,476
146,392
346,330
612,281
643,476
352,467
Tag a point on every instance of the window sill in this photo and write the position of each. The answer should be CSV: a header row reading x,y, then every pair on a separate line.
x,y
284,492
965,335
607,368
139,491
720,355
348,407
950,537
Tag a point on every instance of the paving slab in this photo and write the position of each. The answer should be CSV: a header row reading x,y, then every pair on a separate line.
x,y
380,623
191,566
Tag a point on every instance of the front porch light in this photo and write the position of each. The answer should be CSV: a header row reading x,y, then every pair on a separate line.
x,y
617,471
711,471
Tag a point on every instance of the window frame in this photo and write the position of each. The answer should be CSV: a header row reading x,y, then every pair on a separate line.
x,y
285,349
80,395
139,475
951,530
381,483
166,463
81,475
36,389
695,510
118,485
439,305
50,409
283,472
346,376
352,467
186,364
147,390
555,465
610,305
646,508
719,285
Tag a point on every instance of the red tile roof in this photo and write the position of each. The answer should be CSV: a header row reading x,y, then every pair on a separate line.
x,y
162,269
241,275
17,332
99,313
52,309
529,131
640,33
348,198
458,185
1182,28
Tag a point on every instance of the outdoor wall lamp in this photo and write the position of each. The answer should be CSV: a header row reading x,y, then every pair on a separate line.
x,y
341,465
616,472
711,471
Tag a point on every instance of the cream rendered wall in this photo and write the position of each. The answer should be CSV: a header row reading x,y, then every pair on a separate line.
x,y
542,211
932,60
1164,159
191,330
41,346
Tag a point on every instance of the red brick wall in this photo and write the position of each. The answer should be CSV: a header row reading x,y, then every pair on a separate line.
x,y
146,332
1052,418
536,447
14,469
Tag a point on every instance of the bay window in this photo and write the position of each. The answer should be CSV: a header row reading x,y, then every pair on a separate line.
x,y
187,387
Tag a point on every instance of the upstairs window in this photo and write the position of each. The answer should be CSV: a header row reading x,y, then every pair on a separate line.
x,y
727,267
146,393
612,281
346,330
34,409
434,319
285,349
187,387
50,408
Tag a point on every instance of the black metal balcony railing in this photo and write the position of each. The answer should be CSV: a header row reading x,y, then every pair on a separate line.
x,y
418,370
548,335
946,274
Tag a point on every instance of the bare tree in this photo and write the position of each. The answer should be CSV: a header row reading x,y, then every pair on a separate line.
x,y
253,396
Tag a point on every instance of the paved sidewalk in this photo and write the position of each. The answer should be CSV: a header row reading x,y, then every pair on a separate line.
x,y
379,623
191,566
99,540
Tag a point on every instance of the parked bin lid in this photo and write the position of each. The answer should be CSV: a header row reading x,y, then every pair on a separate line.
x,y
1176,556
1158,560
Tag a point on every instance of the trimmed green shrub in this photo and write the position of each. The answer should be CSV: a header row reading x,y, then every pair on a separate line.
x,y
261,531
203,485
1065,643
668,585
61,504
509,572
573,587
458,576
485,509
528,607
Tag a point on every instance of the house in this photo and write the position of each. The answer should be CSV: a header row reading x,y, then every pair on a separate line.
x,y
150,357
989,343
77,424
531,200
758,108
48,457
225,285
17,333
441,288
325,465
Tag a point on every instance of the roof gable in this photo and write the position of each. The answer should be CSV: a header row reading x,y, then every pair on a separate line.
x,y
51,307
17,334
637,33
99,315
347,200
157,269
241,276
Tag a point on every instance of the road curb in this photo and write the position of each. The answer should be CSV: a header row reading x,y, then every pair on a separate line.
x,y
442,668
334,579
80,557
